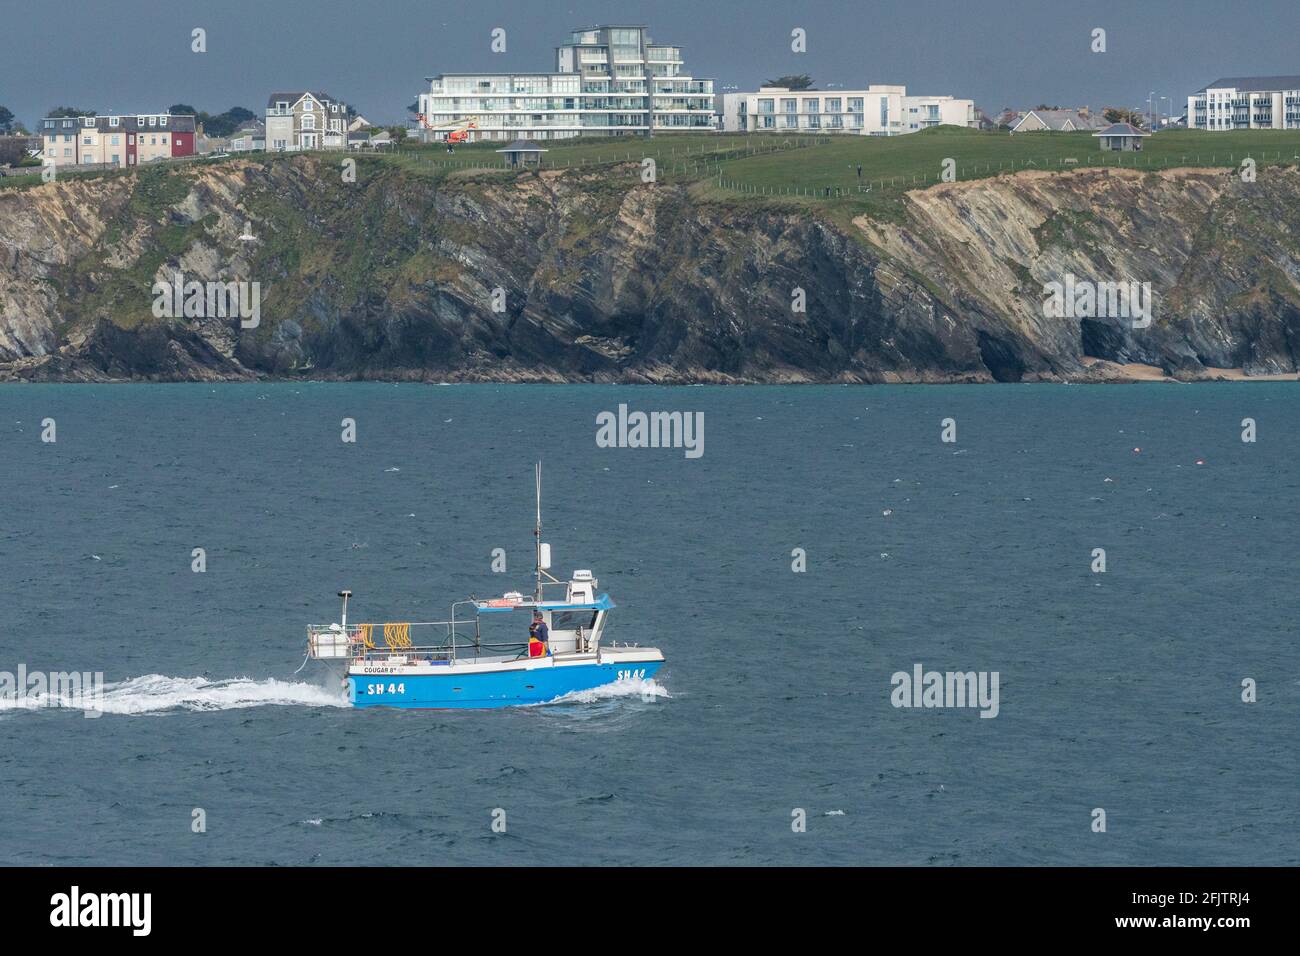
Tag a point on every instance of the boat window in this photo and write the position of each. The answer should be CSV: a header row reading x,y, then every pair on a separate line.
x,y
572,620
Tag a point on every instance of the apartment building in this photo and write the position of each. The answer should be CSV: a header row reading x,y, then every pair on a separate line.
x,y
879,110
1246,102
126,140
608,81
302,119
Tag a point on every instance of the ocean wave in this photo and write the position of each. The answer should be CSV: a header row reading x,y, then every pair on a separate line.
x,y
643,688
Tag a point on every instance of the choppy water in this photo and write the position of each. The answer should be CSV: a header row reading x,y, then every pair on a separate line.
x,y
1119,690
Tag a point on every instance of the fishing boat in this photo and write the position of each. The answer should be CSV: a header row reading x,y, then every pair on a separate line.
x,y
442,664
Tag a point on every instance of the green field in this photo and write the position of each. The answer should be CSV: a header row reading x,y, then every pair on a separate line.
x,y
824,169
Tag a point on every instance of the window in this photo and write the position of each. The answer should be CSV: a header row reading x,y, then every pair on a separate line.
x,y
572,620
162,121
308,121
114,120
117,159
164,140
116,140
153,121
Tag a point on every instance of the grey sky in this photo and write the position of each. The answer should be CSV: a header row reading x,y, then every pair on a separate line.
x,y
134,55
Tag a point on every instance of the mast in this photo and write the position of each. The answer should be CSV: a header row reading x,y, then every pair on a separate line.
x,y
537,533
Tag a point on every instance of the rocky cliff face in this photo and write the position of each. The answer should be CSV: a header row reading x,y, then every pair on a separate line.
x,y
593,276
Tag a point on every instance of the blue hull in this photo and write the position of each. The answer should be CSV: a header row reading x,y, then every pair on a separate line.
x,y
489,689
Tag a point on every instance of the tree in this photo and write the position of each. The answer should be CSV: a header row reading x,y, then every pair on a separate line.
x,y
397,132
12,151
70,111
1044,106
221,124
1122,114
797,81
6,119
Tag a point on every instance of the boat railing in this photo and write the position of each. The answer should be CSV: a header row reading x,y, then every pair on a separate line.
x,y
395,643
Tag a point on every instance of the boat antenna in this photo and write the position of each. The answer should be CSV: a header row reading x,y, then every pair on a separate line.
x,y
537,533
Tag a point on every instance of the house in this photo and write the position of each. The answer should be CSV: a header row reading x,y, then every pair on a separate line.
x,y
364,139
608,81
1007,118
118,140
305,120
1246,102
211,144
1059,121
878,110
523,152
1123,137
358,123
250,136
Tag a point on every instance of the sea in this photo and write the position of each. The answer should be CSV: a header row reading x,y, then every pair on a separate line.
x,y
1118,562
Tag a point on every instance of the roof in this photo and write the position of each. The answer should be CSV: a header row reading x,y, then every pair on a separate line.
x,y
1061,119
523,146
1121,129
1254,83
176,123
293,96
602,603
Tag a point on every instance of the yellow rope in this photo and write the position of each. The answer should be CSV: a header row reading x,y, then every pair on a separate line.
x,y
397,636
363,631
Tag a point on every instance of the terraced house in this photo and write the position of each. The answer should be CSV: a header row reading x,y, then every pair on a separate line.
x,y
1246,102
608,81
302,119
127,140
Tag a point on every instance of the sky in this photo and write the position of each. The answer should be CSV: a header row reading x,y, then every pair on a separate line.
x,y
133,56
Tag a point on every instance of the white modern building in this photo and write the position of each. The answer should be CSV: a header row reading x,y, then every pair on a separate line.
x,y
879,110
1246,102
608,81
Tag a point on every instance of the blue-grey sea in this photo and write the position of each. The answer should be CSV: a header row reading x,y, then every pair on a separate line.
x,y
1119,691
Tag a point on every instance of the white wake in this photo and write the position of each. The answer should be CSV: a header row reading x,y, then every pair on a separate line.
x,y
645,688
159,694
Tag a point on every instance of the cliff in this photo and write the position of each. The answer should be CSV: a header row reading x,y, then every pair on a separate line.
x,y
606,279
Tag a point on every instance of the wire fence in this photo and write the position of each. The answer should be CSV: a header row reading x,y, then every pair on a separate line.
x,y
1107,160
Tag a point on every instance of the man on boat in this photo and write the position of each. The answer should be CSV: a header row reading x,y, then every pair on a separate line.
x,y
538,635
